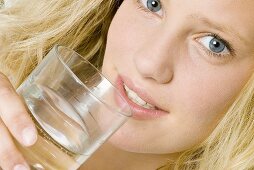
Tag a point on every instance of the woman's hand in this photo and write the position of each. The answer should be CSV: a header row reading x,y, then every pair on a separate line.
x,y
14,121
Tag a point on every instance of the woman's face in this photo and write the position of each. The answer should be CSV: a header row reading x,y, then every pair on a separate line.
x,y
191,58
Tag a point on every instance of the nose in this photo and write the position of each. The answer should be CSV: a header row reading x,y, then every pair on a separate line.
x,y
154,61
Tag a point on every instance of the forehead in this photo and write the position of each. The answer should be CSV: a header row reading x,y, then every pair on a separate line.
x,y
217,3
237,7
235,14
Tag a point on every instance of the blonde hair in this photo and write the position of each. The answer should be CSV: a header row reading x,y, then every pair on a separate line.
x,y
29,29
231,145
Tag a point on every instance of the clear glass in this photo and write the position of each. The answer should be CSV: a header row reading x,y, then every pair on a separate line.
x,y
75,109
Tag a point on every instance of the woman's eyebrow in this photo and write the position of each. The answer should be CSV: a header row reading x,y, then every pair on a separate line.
x,y
217,26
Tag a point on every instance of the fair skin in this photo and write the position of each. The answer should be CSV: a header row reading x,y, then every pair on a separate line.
x,y
164,54
170,55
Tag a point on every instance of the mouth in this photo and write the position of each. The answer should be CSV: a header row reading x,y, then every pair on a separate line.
x,y
142,105
136,99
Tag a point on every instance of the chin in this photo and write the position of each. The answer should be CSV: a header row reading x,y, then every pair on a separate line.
x,y
131,142
123,143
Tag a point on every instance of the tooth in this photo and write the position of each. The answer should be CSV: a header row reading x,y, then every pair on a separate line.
x,y
148,104
126,88
148,107
140,101
136,99
145,106
132,94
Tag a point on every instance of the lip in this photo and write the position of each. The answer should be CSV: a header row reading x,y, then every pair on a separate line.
x,y
138,112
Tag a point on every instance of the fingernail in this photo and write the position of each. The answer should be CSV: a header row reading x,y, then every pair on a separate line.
x,y
29,136
20,167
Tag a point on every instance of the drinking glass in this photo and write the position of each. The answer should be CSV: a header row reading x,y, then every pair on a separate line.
x,y
74,107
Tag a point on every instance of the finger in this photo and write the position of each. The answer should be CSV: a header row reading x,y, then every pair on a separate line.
x,y
14,114
10,157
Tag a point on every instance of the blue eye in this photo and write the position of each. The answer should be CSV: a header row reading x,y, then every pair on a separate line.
x,y
153,6
214,45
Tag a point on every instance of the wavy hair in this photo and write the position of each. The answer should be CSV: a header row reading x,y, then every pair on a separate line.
x,y
231,144
29,29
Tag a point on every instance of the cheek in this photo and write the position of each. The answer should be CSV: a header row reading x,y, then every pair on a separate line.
x,y
200,95
126,32
206,98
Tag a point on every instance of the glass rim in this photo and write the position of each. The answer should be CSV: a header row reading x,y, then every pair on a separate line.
x,y
56,51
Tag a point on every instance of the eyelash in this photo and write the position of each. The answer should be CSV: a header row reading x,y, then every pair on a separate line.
x,y
141,7
227,44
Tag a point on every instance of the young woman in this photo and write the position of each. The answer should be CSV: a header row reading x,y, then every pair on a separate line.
x,y
188,66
